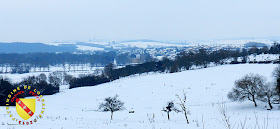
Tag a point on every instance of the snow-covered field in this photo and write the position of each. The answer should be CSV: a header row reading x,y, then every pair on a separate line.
x,y
263,57
140,44
168,43
147,94
260,57
236,42
87,48
75,71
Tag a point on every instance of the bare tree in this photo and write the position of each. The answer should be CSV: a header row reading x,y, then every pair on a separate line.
x,y
111,104
30,80
276,74
5,88
2,92
66,78
108,69
55,78
169,108
183,106
225,118
97,71
41,77
268,94
247,88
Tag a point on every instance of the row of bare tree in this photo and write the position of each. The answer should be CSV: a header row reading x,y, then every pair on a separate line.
x,y
113,104
254,87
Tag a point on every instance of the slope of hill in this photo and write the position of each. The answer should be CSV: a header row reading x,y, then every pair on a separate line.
x,y
147,94
91,46
35,47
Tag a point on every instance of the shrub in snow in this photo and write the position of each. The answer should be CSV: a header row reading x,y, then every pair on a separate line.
x,y
111,104
183,105
5,88
169,108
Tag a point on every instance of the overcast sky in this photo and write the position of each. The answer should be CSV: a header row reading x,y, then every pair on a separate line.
x,y
57,20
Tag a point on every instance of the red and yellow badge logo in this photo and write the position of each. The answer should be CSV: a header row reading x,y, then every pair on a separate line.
x,y
25,107
22,103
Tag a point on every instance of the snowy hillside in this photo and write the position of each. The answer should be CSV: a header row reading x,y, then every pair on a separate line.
x,y
100,45
147,94
141,44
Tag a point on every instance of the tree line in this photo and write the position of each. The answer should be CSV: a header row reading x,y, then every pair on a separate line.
x,y
201,58
47,85
23,63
